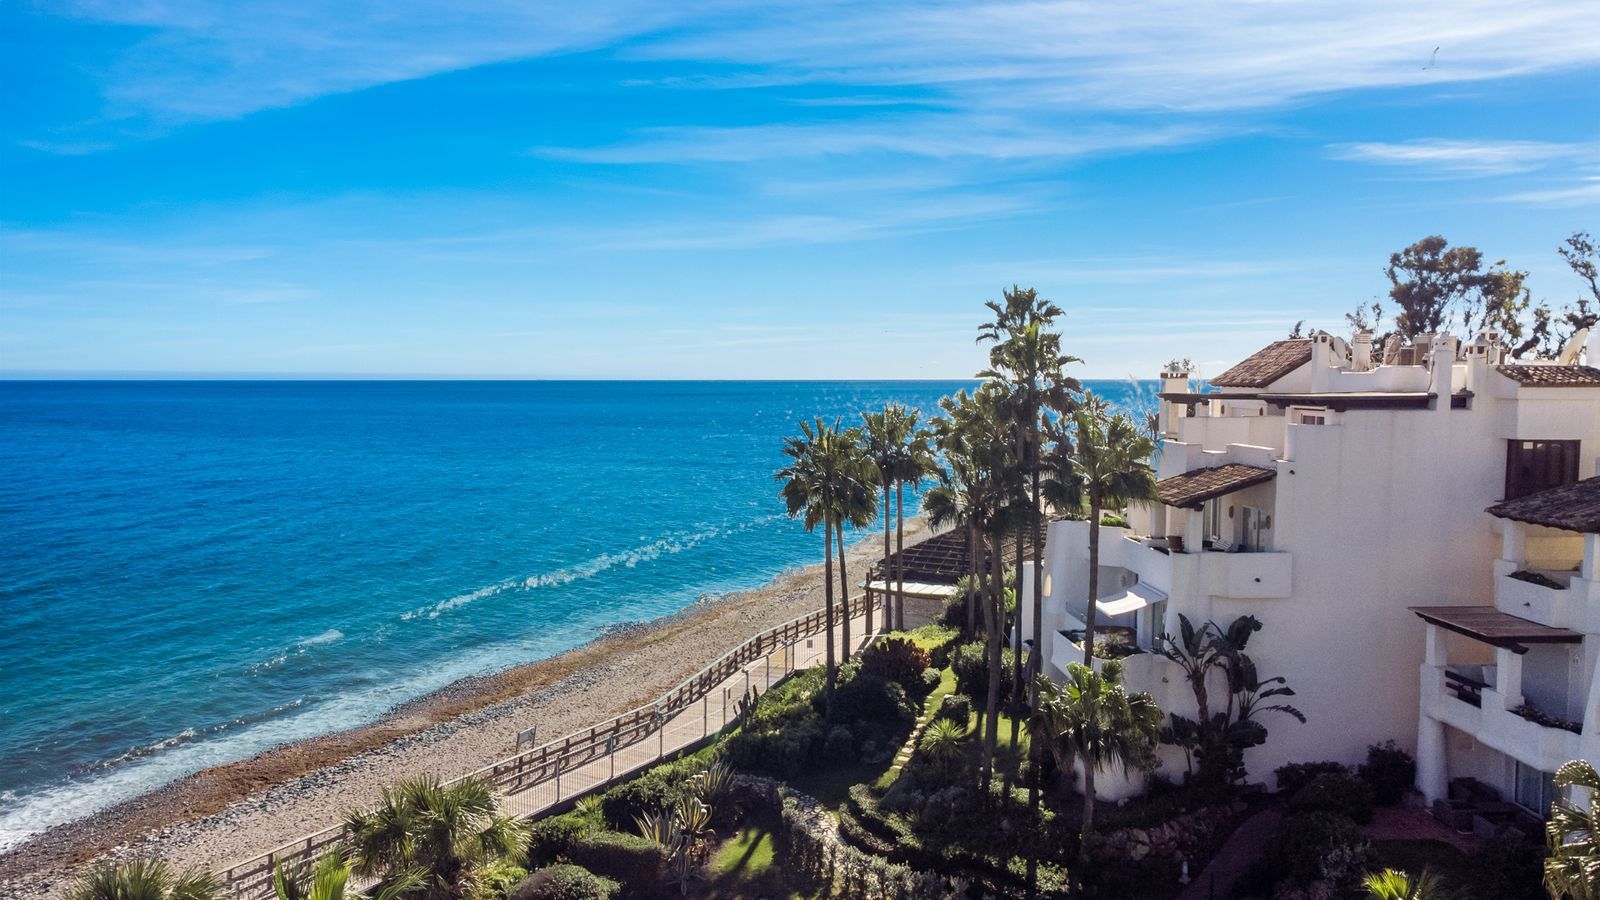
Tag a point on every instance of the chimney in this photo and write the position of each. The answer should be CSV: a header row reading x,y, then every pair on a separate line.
x,y
1441,369
1174,380
1361,350
1322,359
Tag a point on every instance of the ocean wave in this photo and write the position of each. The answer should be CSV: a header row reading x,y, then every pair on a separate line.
x,y
299,649
630,558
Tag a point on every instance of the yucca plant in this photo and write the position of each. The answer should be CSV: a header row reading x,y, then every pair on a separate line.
x,y
144,879
940,744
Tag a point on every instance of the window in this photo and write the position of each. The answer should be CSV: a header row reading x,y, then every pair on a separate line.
x,y
1533,466
1536,790
1302,416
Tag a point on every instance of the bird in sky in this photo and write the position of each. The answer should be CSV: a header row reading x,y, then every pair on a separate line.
x,y
1431,60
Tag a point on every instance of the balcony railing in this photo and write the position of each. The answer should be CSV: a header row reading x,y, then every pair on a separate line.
x,y
1465,687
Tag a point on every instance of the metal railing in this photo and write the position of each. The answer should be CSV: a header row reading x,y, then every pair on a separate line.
x,y
525,780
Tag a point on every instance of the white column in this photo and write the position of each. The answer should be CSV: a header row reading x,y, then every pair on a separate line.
x,y
1194,530
1514,543
1508,676
1433,775
1591,556
1433,651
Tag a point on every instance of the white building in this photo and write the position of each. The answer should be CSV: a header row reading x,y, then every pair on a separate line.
x,y
1326,495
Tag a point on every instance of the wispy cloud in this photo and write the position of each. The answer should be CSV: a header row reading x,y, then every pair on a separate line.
x,y
202,63
1585,192
1465,157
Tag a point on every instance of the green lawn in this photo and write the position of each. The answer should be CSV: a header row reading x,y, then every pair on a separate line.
x,y
744,866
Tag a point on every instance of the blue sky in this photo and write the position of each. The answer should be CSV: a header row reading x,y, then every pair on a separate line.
x,y
727,189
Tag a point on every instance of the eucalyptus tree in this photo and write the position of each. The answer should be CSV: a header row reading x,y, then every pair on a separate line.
x,y
1027,355
1105,460
1091,718
444,831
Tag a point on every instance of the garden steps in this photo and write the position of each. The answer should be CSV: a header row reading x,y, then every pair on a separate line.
x,y
909,748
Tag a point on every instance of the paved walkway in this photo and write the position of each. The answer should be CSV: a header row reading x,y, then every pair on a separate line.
x,y
1411,823
1240,851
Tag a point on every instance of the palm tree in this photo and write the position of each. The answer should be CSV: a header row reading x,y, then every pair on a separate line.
x,y
899,450
1573,836
1030,359
972,436
1392,884
1105,461
443,830
818,473
855,505
144,879
1091,718
329,879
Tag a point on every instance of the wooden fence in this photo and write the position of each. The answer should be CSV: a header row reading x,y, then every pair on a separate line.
x,y
516,775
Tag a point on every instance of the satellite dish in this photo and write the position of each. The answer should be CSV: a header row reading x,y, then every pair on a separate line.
x,y
1569,352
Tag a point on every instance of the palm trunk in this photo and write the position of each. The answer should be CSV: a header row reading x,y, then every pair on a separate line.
x,y
900,555
827,593
1088,796
991,728
844,595
1036,666
1094,577
1018,690
976,582
888,604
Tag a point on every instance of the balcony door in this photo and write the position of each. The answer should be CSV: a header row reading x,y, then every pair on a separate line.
x,y
1254,525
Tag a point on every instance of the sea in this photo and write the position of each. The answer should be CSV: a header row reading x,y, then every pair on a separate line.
x,y
192,572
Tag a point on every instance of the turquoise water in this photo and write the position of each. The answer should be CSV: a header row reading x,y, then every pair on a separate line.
x,y
194,572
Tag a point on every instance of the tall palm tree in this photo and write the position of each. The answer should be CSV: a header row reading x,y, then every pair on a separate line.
x,y
1573,836
827,482
807,482
1091,718
144,879
442,830
914,463
899,449
972,436
854,504
1105,461
329,879
1029,357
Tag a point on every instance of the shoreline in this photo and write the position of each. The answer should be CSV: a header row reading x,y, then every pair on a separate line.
x,y
227,813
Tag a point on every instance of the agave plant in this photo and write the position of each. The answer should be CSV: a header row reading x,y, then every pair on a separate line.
x,y
713,784
144,879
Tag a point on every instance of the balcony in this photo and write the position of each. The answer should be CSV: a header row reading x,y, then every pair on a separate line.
x,y
1236,574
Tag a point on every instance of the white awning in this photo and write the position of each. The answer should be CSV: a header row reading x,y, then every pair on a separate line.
x,y
915,589
1130,600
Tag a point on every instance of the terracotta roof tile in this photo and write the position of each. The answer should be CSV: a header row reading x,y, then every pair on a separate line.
x,y
1267,365
1573,507
1191,489
1552,376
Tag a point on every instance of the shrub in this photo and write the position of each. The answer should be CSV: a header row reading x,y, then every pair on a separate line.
x,y
1305,840
930,681
1389,771
655,790
1293,777
1335,792
565,882
972,671
840,746
495,881
782,752
1113,521
550,838
868,698
896,659
956,708
640,864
